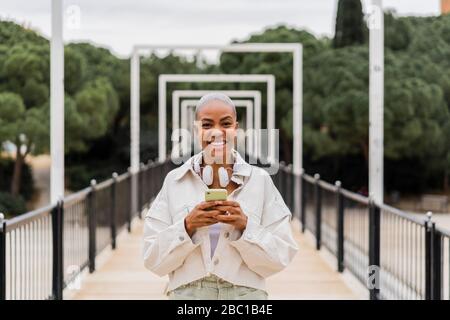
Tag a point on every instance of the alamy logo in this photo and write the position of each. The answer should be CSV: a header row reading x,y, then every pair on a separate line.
x,y
374,17
73,17
373,278
261,144
73,273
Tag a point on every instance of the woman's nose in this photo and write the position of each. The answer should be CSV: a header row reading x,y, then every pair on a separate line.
x,y
216,133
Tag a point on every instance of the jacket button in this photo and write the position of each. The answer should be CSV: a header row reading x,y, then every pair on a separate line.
x,y
227,234
249,236
181,238
208,274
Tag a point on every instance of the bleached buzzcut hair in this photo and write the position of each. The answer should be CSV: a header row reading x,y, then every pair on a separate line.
x,y
211,97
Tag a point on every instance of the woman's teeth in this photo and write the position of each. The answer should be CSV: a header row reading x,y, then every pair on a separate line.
x,y
217,144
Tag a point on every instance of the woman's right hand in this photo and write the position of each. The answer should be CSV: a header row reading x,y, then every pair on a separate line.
x,y
202,215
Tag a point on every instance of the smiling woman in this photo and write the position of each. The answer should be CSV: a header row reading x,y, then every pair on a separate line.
x,y
217,249
216,124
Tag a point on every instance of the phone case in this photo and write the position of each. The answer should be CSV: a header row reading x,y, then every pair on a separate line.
x,y
216,194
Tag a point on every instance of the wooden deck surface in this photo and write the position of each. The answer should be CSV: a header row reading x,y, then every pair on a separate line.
x,y
121,275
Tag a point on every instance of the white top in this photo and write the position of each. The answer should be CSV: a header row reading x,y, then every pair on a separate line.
x,y
214,232
265,247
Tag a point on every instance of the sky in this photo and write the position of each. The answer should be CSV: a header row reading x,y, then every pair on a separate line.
x,y
119,24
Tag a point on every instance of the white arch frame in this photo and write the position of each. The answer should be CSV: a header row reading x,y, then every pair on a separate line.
x,y
164,79
187,116
248,104
296,49
177,95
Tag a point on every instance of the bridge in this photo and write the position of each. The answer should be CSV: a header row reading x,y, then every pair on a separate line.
x,y
88,245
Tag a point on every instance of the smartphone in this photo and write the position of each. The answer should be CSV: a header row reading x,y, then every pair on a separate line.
x,y
216,195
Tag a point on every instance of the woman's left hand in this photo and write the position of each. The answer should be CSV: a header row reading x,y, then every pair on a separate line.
x,y
235,216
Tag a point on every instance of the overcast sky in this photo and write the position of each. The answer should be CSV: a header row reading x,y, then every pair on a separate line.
x,y
119,24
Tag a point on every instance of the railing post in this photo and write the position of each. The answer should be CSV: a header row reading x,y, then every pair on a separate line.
x,y
151,180
141,190
318,207
289,186
340,227
2,257
114,211
298,193
303,200
131,197
428,257
292,189
374,249
433,267
279,180
436,258
282,178
58,250
92,221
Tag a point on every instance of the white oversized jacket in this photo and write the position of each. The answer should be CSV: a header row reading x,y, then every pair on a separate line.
x,y
265,247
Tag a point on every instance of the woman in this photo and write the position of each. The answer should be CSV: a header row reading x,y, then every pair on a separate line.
x,y
217,249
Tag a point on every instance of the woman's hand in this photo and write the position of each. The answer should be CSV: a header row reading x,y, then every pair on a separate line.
x,y
203,214
235,216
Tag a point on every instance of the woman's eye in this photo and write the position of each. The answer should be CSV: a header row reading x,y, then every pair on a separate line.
x,y
206,125
227,124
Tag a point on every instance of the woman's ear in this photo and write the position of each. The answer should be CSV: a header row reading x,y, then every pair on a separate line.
x,y
237,125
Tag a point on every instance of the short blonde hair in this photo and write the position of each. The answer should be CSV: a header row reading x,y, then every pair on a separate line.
x,y
211,97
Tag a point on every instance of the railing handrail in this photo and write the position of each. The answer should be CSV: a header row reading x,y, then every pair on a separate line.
x,y
328,186
355,196
104,184
443,231
309,178
365,200
27,217
123,176
403,214
76,196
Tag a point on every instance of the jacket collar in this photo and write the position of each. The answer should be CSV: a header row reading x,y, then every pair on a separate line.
x,y
241,167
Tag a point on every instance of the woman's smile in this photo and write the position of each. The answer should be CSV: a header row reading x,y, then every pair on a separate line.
x,y
217,144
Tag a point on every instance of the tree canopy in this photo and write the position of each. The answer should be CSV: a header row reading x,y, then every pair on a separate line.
x,y
335,114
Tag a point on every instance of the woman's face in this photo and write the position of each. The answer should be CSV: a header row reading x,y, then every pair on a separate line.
x,y
217,129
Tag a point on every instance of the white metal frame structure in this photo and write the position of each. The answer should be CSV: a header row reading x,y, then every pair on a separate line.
x,y
376,102
187,117
178,94
296,49
57,103
250,120
164,79
255,94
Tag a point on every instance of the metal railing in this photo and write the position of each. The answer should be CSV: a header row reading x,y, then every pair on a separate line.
x,y
396,255
43,251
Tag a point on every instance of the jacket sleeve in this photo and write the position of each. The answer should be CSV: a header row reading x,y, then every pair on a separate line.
x,y
166,244
268,246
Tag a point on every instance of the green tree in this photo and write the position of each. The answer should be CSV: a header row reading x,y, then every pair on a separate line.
x,y
25,128
350,27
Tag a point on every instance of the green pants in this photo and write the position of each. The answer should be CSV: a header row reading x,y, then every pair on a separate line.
x,y
214,288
